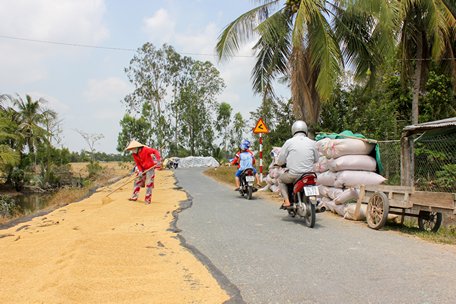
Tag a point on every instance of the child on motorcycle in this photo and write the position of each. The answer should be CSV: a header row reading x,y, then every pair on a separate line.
x,y
244,159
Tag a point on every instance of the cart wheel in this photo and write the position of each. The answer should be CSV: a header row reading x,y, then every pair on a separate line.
x,y
429,221
377,210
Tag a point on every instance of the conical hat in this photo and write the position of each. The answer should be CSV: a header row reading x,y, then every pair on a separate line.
x,y
134,144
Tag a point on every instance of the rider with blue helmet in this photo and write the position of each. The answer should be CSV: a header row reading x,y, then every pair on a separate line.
x,y
245,159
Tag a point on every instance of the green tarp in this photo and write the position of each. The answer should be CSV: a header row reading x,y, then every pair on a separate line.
x,y
349,134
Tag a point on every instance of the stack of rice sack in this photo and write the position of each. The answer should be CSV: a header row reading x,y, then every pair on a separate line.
x,y
343,166
272,179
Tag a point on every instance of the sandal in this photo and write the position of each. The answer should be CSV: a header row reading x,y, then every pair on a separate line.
x,y
284,207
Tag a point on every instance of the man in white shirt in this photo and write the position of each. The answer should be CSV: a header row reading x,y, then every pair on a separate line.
x,y
299,153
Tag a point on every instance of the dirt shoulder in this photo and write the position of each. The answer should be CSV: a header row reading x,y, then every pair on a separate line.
x,y
114,252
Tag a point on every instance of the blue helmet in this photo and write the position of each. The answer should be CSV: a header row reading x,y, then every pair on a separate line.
x,y
245,144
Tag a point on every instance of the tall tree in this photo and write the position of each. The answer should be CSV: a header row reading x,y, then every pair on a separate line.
x,y
149,73
427,32
176,95
298,41
222,123
237,134
132,128
196,102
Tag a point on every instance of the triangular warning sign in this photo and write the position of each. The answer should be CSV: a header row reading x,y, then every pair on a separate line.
x,y
260,127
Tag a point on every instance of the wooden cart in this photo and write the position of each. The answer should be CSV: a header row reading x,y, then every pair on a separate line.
x,y
382,200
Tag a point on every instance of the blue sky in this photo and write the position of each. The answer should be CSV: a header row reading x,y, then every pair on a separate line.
x,y
86,85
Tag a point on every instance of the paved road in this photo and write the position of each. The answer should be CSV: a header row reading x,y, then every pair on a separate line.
x,y
270,258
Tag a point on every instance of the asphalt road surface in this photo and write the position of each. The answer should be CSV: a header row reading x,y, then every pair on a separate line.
x,y
260,255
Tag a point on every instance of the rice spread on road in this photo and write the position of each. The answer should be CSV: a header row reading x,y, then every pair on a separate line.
x,y
90,252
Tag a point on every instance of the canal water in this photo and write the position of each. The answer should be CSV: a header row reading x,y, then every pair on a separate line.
x,y
23,205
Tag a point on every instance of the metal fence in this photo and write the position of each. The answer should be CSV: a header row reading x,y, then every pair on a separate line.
x,y
435,162
390,153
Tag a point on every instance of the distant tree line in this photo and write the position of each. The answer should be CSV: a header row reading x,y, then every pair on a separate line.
x,y
29,131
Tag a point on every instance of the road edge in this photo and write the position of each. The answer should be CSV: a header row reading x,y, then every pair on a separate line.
x,y
231,289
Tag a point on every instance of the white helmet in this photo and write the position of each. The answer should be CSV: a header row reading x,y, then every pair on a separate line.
x,y
299,126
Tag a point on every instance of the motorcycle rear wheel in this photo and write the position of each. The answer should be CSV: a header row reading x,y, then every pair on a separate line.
x,y
249,193
310,217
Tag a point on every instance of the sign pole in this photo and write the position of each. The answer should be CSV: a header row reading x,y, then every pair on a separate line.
x,y
261,157
261,128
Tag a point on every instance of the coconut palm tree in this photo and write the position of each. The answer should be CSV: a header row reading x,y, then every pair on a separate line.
x,y
8,156
30,116
308,42
427,32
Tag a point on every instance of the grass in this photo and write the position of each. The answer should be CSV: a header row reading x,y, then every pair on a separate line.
x,y
222,174
445,235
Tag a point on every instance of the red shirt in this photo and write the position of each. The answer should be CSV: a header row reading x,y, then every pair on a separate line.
x,y
143,158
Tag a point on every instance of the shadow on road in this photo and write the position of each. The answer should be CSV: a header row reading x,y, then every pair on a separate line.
x,y
300,222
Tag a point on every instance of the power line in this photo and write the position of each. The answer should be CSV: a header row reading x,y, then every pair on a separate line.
x,y
67,44
189,54
100,47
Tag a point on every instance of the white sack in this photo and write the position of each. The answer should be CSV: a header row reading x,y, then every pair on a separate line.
x,y
350,212
323,202
275,172
197,161
339,209
352,162
346,146
321,145
326,178
345,196
321,165
274,188
333,192
323,190
356,178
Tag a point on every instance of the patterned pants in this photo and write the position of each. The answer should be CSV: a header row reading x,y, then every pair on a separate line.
x,y
146,180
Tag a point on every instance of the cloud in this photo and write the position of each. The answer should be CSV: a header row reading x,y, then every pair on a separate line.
x,y
105,91
160,26
80,20
68,21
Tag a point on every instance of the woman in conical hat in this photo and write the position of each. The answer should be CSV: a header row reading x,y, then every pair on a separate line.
x,y
146,160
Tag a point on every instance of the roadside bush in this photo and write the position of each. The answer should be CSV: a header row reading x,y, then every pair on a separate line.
x,y
8,206
446,177
94,169
18,178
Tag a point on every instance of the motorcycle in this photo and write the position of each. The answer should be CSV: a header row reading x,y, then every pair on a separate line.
x,y
303,198
247,178
172,164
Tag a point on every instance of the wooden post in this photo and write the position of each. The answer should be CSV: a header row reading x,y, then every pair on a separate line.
x,y
407,160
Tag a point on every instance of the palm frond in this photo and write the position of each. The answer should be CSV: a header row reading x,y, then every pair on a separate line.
x,y
8,156
440,23
324,54
273,52
450,6
241,30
